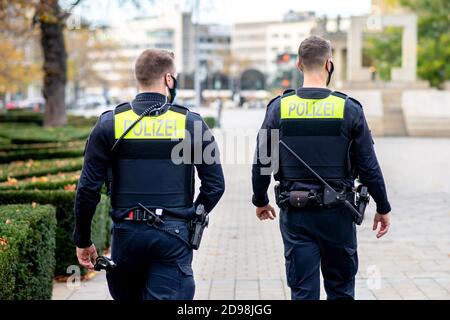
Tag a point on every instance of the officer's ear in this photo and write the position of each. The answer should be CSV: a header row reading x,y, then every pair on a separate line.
x,y
299,66
169,81
329,65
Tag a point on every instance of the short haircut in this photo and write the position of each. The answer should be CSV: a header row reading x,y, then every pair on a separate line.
x,y
313,52
152,64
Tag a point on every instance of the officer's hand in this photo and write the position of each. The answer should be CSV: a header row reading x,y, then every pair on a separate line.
x,y
86,256
384,221
267,212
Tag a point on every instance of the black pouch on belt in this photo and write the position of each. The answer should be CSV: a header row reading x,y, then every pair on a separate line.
x,y
298,199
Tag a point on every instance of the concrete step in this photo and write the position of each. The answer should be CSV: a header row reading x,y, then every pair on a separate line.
x,y
394,123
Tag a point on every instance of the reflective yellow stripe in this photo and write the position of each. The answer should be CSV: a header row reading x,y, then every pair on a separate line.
x,y
170,125
294,107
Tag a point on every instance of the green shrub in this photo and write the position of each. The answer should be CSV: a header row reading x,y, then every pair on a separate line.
x,y
42,154
21,116
63,201
101,225
210,121
21,169
31,133
27,256
42,146
81,121
67,180
4,142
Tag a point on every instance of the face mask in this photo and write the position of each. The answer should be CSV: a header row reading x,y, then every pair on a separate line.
x,y
330,72
173,91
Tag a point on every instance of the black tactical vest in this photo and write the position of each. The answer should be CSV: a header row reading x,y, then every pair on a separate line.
x,y
142,168
313,128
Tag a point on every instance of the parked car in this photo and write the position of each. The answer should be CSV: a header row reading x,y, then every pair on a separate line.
x,y
11,105
32,104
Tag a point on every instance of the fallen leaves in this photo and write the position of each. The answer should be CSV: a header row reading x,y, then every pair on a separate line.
x,y
39,179
11,181
3,241
70,187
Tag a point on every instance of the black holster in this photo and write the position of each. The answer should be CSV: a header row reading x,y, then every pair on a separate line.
x,y
197,226
361,202
294,199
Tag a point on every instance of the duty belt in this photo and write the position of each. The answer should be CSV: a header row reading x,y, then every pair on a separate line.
x,y
141,215
312,198
155,218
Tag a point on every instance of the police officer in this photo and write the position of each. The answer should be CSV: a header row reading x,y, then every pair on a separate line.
x,y
152,187
329,132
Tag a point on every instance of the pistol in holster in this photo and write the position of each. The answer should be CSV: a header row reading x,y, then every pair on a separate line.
x,y
197,226
104,263
361,202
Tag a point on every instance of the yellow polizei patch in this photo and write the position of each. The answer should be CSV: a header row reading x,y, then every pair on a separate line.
x,y
294,107
170,125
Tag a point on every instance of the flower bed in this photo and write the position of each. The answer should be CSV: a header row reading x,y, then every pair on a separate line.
x,y
24,169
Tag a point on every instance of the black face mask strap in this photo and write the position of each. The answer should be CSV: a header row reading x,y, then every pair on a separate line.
x,y
330,72
173,91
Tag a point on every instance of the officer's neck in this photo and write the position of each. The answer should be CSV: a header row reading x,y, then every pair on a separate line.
x,y
314,80
160,90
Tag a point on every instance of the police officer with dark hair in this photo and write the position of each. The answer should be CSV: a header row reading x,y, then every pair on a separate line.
x,y
151,187
326,130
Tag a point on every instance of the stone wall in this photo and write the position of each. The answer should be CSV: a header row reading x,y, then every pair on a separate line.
x,y
427,112
372,103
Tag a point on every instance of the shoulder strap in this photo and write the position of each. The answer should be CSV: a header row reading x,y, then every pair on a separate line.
x,y
124,106
288,92
346,97
339,94
356,101
179,108
271,101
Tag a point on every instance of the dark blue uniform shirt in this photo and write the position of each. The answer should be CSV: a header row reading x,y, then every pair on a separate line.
x,y
97,160
365,160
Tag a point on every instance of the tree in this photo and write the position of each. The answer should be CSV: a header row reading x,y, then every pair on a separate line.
x,y
383,51
15,73
433,41
50,18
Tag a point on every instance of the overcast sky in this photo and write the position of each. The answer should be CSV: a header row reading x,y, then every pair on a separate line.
x,y
222,11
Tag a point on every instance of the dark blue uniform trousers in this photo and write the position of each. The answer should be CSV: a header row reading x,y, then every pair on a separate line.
x,y
322,238
151,264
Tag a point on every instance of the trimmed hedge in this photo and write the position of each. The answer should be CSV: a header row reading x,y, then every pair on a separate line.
x,y
23,116
21,169
4,142
101,225
31,133
27,252
62,181
81,121
63,201
41,154
41,146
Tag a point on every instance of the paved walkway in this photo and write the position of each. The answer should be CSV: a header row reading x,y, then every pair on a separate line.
x,y
242,258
